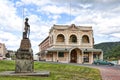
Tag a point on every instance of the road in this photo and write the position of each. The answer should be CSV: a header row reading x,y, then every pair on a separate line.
x,y
107,72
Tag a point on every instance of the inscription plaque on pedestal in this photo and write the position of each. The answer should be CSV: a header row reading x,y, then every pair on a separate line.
x,y
24,55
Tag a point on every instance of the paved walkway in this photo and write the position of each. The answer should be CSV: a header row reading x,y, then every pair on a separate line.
x,y
109,73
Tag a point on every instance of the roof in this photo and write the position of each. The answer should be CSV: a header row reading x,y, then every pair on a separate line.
x,y
59,49
44,40
41,52
68,49
91,50
72,25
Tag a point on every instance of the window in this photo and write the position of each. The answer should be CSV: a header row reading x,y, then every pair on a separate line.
x,y
85,39
60,38
61,54
86,57
73,39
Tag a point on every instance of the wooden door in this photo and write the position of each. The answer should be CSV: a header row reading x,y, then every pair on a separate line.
x,y
73,56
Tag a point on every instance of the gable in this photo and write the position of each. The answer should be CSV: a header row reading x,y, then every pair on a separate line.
x,y
73,27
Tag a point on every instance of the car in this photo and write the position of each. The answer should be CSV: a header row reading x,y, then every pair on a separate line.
x,y
102,62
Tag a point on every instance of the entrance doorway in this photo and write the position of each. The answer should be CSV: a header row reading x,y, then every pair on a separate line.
x,y
73,56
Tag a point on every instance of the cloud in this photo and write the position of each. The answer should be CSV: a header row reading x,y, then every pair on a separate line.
x,y
102,15
117,35
10,24
35,2
8,18
54,9
11,40
104,22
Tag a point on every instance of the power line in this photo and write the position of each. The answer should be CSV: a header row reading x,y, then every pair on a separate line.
x,y
23,17
70,11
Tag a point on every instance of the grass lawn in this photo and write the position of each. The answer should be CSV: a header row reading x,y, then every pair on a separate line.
x,y
58,72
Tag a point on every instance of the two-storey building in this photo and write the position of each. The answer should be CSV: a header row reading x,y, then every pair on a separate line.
x,y
69,44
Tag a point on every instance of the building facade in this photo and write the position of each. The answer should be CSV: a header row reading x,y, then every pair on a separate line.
x,y
69,44
3,50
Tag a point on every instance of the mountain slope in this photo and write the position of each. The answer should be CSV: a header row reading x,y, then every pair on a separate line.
x,y
109,48
113,54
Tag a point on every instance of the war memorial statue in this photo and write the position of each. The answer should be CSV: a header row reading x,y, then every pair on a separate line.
x,y
24,55
24,63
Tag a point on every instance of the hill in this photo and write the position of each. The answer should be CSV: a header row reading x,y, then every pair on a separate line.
x,y
110,49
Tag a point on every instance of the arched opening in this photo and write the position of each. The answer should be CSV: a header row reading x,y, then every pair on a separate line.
x,y
60,38
73,56
85,39
73,39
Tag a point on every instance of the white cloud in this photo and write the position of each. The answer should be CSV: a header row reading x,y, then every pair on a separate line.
x,y
18,3
85,5
117,35
12,41
54,9
104,23
36,2
103,15
8,18
10,24
55,17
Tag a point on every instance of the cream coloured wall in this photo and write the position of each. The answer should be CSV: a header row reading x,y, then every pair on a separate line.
x,y
70,31
64,59
67,31
3,50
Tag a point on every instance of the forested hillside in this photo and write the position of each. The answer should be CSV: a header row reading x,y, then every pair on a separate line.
x,y
111,50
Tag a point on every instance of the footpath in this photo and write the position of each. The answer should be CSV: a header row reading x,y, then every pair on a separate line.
x,y
107,72
110,73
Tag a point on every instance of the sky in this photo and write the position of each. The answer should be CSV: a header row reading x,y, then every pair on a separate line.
x,y
102,15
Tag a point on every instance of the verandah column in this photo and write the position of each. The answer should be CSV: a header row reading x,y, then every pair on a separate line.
x,y
69,57
91,57
82,57
101,55
57,57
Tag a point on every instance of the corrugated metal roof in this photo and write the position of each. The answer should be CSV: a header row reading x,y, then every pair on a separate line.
x,y
59,49
67,49
91,50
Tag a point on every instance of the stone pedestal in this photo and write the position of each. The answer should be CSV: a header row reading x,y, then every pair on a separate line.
x,y
24,57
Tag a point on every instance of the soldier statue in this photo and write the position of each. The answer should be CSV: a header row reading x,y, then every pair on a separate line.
x,y
26,32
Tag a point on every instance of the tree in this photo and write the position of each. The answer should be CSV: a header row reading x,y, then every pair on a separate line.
x,y
7,55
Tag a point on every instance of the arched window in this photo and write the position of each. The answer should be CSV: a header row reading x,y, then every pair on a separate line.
x,y
85,39
60,38
73,39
